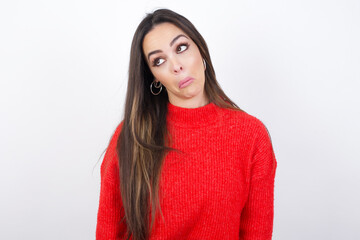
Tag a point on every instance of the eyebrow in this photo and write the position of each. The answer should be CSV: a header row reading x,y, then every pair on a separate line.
x,y
171,43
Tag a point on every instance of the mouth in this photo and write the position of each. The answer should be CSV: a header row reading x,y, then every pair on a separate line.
x,y
185,82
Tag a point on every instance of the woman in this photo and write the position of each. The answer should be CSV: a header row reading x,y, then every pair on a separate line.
x,y
186,162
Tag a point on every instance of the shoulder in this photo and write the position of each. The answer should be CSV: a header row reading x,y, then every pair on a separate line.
x,y
110,163
257,138
239,119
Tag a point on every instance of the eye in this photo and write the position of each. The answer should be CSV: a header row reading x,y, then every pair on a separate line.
x,y
157,62
182,47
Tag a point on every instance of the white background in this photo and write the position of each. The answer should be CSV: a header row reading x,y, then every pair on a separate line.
x,y
63,69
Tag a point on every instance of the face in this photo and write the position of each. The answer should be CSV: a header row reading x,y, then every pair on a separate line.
x,y
175,61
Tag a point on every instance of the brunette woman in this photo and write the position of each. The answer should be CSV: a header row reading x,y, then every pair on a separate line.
x,y
185,162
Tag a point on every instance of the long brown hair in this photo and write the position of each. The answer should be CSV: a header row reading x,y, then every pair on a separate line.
x,y
143,142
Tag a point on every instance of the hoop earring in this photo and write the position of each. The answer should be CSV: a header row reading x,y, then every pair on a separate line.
x,y
156,85
204,63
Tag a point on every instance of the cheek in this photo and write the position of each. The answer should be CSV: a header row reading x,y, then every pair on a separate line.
x,y
157,73
160,75
197,60
197,63
163,76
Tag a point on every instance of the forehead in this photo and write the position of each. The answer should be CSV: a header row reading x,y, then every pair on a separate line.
x,y
160,37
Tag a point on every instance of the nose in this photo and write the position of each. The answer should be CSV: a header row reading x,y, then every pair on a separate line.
x,y
177,66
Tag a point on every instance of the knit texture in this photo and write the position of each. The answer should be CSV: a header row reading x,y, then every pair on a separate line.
x,y
220,185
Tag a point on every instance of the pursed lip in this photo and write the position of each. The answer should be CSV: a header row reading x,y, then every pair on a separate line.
x,y
186,81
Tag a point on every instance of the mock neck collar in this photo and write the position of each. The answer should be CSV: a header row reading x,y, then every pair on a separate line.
x,y
192,117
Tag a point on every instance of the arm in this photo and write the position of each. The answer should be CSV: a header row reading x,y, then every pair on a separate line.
x,y
110,213
257,216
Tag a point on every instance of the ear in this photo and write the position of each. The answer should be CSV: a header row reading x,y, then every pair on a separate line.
x,y
156,83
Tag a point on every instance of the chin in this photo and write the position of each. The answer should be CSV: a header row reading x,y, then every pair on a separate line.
x,y
192,93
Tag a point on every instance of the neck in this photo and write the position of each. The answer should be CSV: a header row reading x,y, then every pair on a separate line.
x,y
194,102
193,117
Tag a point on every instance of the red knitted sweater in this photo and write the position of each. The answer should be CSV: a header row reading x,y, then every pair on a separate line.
x,y
219,186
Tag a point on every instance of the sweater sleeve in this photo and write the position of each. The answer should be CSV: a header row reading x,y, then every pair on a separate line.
x,y
257,216
110,213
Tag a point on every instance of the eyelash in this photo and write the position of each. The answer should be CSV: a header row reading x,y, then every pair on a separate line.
x,y
181,44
